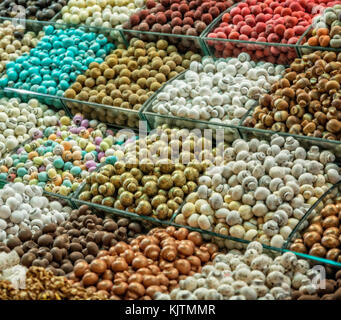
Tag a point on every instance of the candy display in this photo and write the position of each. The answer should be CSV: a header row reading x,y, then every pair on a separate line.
x,y
170,150
41,284
151,263
217,91
20,121
322,237
265,21
189,18
60,246
32,9
14,42
61,156
306,101
145,184
327,29
103,13
258,197
127,78
56,61
24,209
331,291
252,275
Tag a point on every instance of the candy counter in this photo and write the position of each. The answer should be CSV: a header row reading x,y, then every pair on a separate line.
x,y
171,150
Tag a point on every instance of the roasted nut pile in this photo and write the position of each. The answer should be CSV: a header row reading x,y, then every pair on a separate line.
x,y
25,209
14,42
262,190
151,263
327,29
147,181
34,9
100,13
41,284
20,121
306,101
59,247
217,91
174,17
128,77
322,237
252,275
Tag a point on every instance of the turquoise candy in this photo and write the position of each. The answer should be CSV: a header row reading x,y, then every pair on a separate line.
x,y
64,85
48,30
21,172
23,158
12,75
67,183
101,53
41,89
3,82
3,176
15,162
75,171
51,90
36,80
46,62
111,160
42,177
68,166
41,184
23,75
60,55
58,163
83,152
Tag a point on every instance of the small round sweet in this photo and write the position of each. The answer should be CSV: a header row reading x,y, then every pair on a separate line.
x,y
265,22
62,154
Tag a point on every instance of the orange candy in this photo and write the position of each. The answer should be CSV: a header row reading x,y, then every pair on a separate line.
x,y
57,180
66,144
32,155
3,169
313,41
77,155
322,32
67,155
324,41
52,137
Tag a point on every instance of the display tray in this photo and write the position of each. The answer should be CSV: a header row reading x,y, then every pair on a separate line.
x,y
229,131
332,196
306,141
304,48
75,198
105,113
278,53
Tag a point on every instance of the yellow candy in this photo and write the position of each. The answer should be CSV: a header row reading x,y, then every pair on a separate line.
x,y
65,121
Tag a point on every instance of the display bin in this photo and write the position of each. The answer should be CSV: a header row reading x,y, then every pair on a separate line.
x,y
304,48
332,196
183,42
277,53
74,194
123,213
108,114
306,141
229,131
